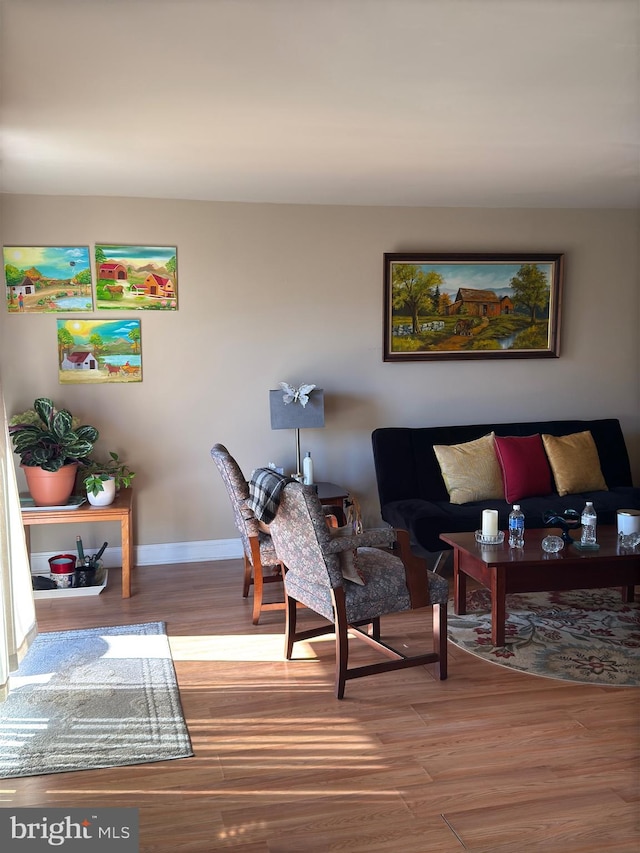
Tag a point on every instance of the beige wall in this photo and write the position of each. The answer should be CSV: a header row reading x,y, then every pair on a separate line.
x,y
279,292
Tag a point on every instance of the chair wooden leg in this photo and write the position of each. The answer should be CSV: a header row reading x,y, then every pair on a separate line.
x,y
375,628
257,593
440,638
342,658
342,641
291,612
247,577
257,578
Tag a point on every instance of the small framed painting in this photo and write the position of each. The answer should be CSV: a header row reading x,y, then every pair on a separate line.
x,y
138,278
91,351
47,279
472,306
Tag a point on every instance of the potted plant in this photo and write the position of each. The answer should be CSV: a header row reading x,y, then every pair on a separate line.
x,y
51,445
103,480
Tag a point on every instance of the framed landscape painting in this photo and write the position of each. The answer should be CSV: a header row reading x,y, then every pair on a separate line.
x,y
47,279
471,306
138,278
91,351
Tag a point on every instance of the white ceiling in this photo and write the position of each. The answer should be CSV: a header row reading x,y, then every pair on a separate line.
x,y
492,103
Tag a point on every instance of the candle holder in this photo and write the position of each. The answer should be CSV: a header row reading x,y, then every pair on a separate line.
x,y
490,539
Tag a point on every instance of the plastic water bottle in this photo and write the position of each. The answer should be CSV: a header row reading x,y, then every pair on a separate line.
x,y
307,469
588,521
516,527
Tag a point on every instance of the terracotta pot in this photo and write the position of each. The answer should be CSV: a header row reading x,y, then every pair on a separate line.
x,y
50,488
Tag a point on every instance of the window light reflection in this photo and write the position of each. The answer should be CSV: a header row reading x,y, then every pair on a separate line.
x,y
240,647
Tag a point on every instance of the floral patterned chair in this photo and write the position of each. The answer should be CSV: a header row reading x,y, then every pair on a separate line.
x,y
259,551
387,584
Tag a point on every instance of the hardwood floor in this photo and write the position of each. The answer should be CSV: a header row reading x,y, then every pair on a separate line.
x,y
489,761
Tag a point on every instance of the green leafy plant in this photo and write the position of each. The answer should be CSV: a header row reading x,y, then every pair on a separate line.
x,y
47,438
98,473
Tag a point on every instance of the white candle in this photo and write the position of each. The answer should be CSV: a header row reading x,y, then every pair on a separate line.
x,y
489,522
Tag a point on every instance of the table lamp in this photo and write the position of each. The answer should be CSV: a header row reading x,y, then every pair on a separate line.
x,y
297,408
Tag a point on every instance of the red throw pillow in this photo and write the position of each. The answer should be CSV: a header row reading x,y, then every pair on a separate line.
x,y
525,467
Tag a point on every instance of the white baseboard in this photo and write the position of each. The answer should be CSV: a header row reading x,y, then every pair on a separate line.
x,y
164,554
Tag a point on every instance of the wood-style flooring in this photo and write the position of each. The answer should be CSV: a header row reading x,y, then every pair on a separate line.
x,y
489,761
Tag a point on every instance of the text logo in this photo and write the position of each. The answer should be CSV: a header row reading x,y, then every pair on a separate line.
x,y
73,830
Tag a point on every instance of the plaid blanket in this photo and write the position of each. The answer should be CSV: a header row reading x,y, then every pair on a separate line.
x,y
265,487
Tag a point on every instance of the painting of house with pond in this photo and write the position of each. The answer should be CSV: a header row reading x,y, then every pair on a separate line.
x,y
47,279
139,278
91,351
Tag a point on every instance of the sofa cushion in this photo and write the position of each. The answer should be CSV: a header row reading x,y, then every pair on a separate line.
x,y
575,463
524,465
406,466
470,471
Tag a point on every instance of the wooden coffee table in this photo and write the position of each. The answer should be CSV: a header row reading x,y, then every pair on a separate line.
x,y
505,570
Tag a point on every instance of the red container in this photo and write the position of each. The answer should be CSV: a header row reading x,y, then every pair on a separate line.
x,y
62,570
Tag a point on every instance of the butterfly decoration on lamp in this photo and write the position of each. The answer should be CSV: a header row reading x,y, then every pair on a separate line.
x,y
297,408
296,395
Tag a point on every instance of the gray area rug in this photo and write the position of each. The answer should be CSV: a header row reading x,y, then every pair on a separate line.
x,y
102,697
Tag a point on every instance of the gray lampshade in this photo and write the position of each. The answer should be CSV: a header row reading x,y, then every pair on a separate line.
x,y
294,415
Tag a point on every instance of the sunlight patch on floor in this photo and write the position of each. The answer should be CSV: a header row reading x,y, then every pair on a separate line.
x,y
18,681
239,647
134,646
222,791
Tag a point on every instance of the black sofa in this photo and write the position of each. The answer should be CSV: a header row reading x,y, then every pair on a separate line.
x,y
413,495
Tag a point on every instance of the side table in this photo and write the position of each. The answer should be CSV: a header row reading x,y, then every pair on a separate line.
x,y
330,494
120,510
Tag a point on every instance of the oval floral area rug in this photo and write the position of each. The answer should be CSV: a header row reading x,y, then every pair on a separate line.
x,y
587,635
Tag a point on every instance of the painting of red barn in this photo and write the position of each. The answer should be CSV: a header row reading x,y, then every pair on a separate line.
x,y
139,278
471,306
91,351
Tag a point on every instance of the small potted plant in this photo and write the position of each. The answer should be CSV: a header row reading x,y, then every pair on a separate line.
x,y
51,444
103,480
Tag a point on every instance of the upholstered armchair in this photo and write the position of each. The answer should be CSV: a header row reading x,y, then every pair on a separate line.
x,y
388,581
261,565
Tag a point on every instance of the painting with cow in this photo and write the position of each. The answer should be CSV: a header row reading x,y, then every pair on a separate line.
x,y
91,351
140,278
471,305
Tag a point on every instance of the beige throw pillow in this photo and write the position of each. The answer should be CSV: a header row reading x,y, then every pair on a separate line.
x,y
575,463
471,471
